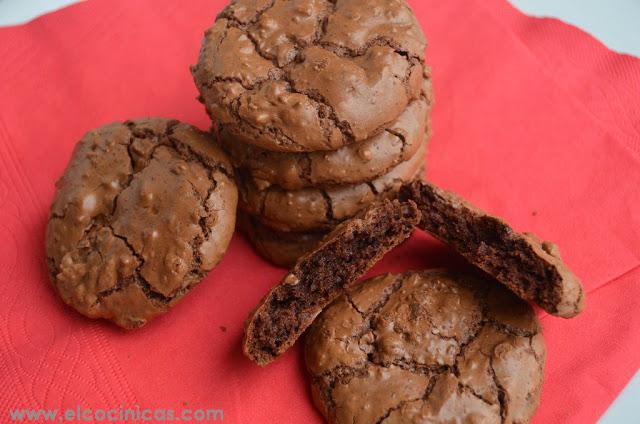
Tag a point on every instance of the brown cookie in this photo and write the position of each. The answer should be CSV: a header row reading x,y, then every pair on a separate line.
x,y
531,268
278,247
351,164
143,211
322,275
426,347
317,209
307,75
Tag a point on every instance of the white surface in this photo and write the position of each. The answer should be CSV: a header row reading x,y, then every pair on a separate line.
x,y
614,22
14,12
626,408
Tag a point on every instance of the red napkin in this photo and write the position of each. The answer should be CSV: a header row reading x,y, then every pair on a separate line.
x,y
535,121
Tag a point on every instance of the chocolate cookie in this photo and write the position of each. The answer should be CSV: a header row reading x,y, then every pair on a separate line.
x,y
322,275
426,347
306,75
533,269
317,209
281,248
351,164
143,211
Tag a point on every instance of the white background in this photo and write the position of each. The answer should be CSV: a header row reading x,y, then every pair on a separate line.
x,y
614,22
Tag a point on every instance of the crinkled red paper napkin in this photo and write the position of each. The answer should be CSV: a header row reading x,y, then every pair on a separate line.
x,y
535,121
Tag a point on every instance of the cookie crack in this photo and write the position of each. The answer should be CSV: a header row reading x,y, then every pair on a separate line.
x,y
387,294
328,380
423,398
345,52
576,304
369,317
510,330
249,87
205,229
256,45
379,41
306,168
246,187
224,37
413,366
401,137
431,386
225,14
396,408
372,187
57,215
114,205
101,296
147,289
533,351
354,306
368,348
328,204
463,346
502,393
442,336
188,153
371,314
139,280
342,372
278,135
343,126
472,392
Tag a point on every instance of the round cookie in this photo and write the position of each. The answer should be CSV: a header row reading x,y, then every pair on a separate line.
x,y
278,247
351,164
307,75
320,209
432,346
143,211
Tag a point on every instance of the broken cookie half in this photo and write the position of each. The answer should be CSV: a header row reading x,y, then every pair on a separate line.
x,y
323,274
532,269
529,267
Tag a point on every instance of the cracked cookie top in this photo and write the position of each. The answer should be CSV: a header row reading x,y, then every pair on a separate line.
x,y
307,75
322,208
351,164
431,346
143,211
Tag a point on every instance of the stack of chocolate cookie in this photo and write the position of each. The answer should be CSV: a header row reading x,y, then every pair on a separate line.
x,y
323,107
